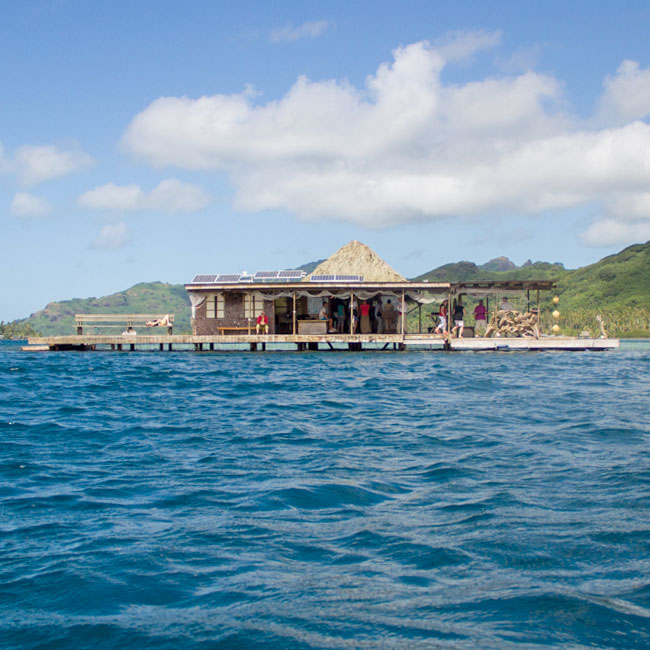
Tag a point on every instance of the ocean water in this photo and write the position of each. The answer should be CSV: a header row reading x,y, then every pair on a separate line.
x,y
325,500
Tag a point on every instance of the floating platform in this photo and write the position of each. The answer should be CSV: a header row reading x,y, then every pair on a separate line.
x,y
353,342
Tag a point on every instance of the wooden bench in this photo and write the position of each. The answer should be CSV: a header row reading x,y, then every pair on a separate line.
x,y
234,328
121,321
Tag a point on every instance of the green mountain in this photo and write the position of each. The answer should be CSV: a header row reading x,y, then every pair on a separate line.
x,y
500,268
144,298
617,288
309,267
620,280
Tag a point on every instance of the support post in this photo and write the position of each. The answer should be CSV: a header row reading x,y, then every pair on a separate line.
x,y
403,313
294,313
351,312
162,347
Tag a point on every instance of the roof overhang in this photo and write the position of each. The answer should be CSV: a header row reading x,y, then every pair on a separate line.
x,y
268,287
504,286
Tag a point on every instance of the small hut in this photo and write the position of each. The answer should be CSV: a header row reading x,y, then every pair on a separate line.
x,y
328,300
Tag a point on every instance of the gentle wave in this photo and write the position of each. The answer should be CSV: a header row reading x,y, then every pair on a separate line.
x,y
324,500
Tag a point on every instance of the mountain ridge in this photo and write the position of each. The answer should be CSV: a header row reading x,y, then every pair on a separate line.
x,y
618,285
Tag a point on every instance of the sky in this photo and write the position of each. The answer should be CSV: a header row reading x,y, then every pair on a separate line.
x,y
154,140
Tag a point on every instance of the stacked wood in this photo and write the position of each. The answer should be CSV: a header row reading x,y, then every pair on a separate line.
x,y
513,324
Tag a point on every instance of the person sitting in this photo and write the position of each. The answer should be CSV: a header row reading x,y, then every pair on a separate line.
x,y
159,322
322,314
262,323
129,331
505,305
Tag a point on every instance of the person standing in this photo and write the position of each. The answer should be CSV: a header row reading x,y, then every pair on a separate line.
x,y
340,317
480,317
441,328
365,317
389,317
379,318
459,323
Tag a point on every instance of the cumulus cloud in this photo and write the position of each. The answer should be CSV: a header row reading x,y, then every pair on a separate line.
x,y
170,196
626,95
407,146
111,237
36,164
626,219
289,33
608,232
27,205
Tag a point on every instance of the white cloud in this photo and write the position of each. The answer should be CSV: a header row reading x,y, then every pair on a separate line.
x,y
407,146
170,196
626,96
5,165
626,219
112,198
460,45
35,164
111,237
289,33
29,206
609,232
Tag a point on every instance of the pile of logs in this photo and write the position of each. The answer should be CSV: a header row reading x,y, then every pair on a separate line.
x,y
513,324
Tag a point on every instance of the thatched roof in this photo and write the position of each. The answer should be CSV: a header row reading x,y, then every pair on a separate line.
x,y
356,258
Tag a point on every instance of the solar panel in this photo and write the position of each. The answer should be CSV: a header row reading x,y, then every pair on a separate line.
x,y
349,278
204,278
291,274
336,278
266,275
228,277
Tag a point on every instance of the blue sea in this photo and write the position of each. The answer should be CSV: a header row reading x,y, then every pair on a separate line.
x,y
325,499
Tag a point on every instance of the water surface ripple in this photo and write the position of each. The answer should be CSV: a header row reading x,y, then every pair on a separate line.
x,y
324,500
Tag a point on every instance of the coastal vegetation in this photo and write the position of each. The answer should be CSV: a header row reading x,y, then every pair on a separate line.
x,y
17,330
616,289
57,318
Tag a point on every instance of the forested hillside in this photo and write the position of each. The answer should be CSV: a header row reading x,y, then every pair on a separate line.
x,y
616,288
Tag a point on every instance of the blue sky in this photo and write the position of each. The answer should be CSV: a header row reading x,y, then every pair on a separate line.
x,y
154,140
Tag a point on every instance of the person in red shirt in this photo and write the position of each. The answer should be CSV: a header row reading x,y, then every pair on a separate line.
x,y
262,323
480,317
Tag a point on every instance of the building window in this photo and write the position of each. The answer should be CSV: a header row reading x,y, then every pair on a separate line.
x,y
215,306
254,302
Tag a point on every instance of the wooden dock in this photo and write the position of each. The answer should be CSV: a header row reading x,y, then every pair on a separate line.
x,y
352,342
